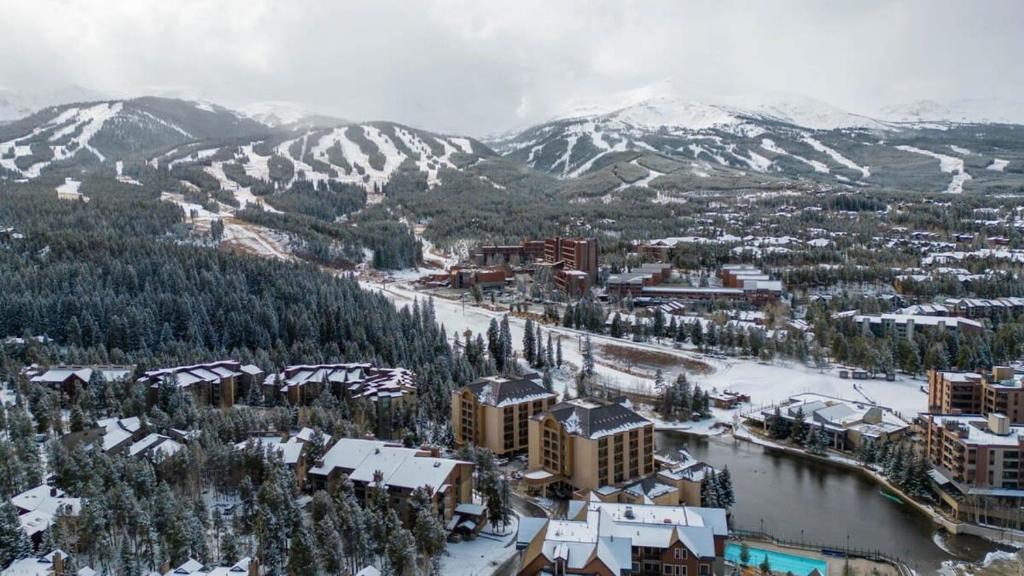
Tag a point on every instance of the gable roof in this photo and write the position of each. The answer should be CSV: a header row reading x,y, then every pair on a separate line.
x,y
499,392
595,419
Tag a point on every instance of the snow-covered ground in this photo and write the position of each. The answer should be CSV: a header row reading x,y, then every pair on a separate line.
x,y
836,156
69,189
997,165
481,556
765,383
770,145
771,383
947,165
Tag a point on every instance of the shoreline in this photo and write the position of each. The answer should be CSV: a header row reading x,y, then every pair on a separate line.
x,y
997,536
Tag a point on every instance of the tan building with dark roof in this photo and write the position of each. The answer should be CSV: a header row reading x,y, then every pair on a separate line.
x,y
494,412
589,444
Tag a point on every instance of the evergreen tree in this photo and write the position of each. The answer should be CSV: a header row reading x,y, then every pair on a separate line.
x,y
796,428
302,559
14,542
529,342
725,490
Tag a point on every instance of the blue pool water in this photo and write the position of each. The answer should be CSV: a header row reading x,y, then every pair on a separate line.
x,y
780,563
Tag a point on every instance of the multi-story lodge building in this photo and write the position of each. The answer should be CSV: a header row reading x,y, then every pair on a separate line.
x,y
65,379
588,444
625,539
977,466
494,412
217,384
379,391
906,325
400,470
573,261
1000,391
651,281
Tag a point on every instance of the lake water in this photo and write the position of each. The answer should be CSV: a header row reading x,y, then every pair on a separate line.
x,y
801,499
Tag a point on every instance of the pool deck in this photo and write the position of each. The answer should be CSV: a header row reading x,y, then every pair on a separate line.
x,y
835,565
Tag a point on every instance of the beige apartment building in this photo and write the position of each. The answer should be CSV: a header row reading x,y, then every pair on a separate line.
x,y
1001,391
494,412
977,466
589,444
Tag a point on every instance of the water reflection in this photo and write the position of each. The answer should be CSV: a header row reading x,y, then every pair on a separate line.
x,y
797,498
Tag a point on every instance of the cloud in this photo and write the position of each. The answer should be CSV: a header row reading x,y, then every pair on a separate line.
x,y
483,67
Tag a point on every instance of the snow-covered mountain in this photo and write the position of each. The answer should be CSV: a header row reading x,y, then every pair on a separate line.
x,y
966,111
672,142
185,133
112,130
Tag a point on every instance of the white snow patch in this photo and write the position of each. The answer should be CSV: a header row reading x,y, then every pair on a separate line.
x,y
836,156
947,164
770,145
997,165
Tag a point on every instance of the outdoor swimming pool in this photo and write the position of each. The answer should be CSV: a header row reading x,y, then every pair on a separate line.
x,y
781,563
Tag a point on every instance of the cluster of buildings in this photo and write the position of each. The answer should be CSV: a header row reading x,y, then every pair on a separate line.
x,y
739,283
572,263
974,438
583,447
224,383
633,511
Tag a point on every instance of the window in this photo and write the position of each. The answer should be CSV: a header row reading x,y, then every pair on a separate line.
x,y
680,553
705,570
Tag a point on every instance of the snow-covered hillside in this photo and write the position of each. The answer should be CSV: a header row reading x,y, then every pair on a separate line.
x,y
789,138
112,130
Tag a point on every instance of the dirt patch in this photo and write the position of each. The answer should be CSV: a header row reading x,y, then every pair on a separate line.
x,y
637,357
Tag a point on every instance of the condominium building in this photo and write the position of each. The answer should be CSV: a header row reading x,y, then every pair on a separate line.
x,y
573,261
494,412
217,384
1000,391
977,466
906,325
625,539
67,379
588,444
397,469
379,392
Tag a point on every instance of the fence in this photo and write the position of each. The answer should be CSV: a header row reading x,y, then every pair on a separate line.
x,y
826,549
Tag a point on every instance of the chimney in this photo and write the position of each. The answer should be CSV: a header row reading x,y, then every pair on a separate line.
x,y
998,424
58,563
254,567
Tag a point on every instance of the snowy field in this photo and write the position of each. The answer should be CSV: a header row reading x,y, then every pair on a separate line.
x,y
765,383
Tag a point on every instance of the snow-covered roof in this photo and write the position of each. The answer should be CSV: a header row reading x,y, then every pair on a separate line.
x,y
500,392
401,467
362,380
977,432
838,414
156,447
918,320
610,531
209,372
60,374
594,419
34,565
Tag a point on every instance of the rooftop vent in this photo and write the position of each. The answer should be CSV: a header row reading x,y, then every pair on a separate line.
x,y
998,424
629,513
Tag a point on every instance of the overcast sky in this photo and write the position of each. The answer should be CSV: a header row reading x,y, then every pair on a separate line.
x,y
479,67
